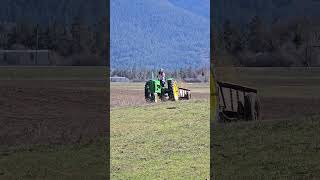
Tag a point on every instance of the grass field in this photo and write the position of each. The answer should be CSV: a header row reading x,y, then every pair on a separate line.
x,y
285,144
162,141
280,149
159,141
65,162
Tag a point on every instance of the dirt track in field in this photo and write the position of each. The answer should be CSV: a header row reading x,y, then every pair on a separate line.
x,y
288,108
62,111
288,102
133,94
51,112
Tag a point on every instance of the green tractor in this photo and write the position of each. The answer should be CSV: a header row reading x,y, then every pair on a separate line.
x,y
154,91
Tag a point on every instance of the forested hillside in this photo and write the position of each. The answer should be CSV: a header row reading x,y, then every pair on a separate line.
x,y
144,33
74,32
153,33
49,11
267,33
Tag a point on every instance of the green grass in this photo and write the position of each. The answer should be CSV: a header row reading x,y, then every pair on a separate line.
x,y
283,149
52,72
54,162
162,141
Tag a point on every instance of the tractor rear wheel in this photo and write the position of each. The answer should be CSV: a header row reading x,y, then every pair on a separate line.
x,y
149,96
252,107
173,91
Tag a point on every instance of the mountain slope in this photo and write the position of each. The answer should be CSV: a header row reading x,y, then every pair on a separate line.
x,y
154,33
200,7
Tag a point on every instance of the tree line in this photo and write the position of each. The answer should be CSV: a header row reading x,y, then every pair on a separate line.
x,y
294,42
74,44
184,74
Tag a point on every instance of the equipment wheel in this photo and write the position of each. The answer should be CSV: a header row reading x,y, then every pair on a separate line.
x,y
252,107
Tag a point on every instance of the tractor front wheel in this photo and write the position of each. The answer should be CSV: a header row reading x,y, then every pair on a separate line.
x,y
155,98
147,94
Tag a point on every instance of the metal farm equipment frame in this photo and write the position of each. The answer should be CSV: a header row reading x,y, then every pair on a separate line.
x,y
238,103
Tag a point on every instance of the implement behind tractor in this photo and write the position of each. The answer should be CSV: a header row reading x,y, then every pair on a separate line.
x,y
238,103
154,91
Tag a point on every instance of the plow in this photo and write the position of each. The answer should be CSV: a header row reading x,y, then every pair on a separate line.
x,y
155,91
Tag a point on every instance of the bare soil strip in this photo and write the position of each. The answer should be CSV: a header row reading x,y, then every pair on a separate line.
x,y
51,112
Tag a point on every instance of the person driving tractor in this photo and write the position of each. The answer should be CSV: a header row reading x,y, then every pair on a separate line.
x,y
162,77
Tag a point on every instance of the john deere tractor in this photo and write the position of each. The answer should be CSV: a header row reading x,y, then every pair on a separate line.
x,y
154,91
